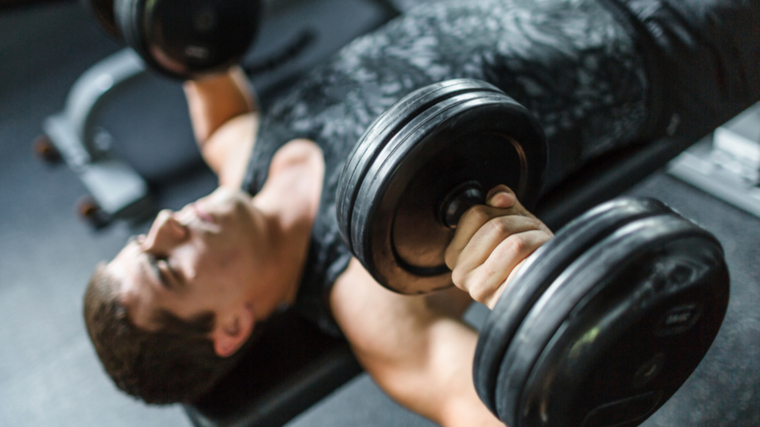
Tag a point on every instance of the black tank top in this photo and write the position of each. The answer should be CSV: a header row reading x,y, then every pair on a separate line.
x,y
597,75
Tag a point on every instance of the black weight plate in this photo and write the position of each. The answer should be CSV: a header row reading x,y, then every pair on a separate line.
x,y
619,331
538,272
183,39
469,137
421,124
200,35
381,130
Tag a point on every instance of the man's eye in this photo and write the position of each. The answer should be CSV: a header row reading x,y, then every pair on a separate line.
x,y
168,274
163,265
159,267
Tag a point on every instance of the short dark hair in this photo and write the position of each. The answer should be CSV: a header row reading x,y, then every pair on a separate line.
x,y
176,363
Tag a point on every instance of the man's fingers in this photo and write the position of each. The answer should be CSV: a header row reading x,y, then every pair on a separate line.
x,y
486,239
472,221
490,242
501,203
483,280
501,196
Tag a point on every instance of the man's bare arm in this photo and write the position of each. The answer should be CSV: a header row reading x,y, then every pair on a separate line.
x,y
224,114
416,348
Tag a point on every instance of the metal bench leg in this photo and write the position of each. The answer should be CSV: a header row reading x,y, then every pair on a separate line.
x,y
119,192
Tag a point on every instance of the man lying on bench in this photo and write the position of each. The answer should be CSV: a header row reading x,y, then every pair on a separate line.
x,y
171,313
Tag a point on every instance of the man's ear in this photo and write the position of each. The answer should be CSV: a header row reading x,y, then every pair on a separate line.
x,y
232,331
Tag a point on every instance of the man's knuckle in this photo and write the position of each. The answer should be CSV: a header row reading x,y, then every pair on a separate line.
x,y
480,288
478,213
535,223
500,226
478,293
458,276
516,244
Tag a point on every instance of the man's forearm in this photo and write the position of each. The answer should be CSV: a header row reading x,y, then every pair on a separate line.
x,y
217,99
224,116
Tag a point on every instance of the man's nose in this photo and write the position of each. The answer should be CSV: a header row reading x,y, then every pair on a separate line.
x,y
165,233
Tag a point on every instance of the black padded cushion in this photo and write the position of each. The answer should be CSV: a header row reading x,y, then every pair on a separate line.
x,y
291,366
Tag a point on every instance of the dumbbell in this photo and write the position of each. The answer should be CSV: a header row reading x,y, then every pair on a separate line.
x,y
599,327
182,39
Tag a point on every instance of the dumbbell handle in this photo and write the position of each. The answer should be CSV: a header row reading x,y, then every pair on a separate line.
x,y
456,203
471,193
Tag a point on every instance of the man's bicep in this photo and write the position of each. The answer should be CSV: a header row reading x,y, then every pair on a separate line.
x,y
375,320
415,347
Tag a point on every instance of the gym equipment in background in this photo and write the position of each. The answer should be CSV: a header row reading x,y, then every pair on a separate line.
x,y
295,36
178,39
115,189
600,326
726,163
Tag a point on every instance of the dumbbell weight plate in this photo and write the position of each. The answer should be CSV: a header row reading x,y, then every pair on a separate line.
x,y
382,130
480,137
538,272
186,38
619,331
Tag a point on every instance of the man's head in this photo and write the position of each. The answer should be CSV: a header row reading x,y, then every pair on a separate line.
x,y
169,310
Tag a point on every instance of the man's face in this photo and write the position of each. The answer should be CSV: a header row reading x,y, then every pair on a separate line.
x,y
201,258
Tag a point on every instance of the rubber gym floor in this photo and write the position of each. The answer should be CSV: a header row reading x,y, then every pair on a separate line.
x,y
49,375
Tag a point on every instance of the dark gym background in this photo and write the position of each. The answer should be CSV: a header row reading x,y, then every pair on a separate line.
x,y
49,375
